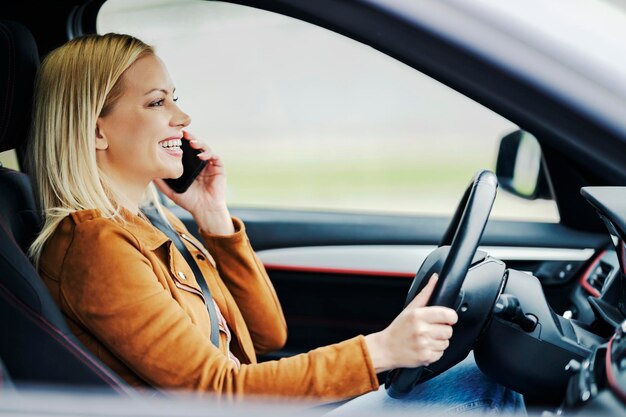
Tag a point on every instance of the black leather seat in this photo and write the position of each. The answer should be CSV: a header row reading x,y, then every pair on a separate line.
x,y
36,345
5,380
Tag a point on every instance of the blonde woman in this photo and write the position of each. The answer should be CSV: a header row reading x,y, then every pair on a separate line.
x,y
106,126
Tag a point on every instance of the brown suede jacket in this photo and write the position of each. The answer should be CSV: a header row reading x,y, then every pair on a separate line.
x,y
132,300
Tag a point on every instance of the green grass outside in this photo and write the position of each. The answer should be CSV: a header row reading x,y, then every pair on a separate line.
x,y
383,182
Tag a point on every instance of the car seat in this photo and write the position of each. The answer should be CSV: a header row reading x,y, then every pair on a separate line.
x,y
5,380
36,344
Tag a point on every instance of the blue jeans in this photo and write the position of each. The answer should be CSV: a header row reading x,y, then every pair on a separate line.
x,y
461,389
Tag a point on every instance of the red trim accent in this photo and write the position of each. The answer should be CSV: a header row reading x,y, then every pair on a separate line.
x,y
613,385
340,271
583,280
55,333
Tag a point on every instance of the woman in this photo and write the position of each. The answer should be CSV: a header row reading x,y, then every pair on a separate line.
x,y
106,126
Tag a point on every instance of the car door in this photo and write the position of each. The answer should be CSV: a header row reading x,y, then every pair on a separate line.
x,y
344,163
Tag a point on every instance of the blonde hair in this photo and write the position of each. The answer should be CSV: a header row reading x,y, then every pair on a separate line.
x,y
77,83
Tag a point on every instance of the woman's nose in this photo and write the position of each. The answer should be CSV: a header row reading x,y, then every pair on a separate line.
x,y
180,118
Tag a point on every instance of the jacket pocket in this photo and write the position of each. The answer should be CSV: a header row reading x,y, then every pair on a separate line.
x,y
182,273
200,248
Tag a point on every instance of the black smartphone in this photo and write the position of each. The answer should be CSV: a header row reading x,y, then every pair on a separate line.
x,y
192,166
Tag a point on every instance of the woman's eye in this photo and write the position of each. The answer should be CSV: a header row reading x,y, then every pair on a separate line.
x,y
160,102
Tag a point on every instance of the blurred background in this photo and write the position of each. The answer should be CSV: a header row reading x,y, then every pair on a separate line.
x,y
305,118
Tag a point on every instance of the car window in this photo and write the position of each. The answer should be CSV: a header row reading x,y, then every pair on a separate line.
x,y
8,159
305,118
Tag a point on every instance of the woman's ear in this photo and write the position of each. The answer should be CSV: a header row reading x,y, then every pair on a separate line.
x,y
101,141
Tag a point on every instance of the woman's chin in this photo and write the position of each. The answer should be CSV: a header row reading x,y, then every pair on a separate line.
x,y
173,174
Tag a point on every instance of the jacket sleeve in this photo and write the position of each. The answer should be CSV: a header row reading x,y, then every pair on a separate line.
x,y
246,279
109,285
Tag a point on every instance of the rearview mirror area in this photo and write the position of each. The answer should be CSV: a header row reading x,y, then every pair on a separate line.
x,y
520,168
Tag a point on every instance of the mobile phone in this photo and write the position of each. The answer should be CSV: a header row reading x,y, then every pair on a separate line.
x,y
192,166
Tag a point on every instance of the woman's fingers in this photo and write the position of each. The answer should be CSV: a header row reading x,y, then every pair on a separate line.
x,y
439,345
417,337
196,145
190,136
193,141
214,160
207,153
438,314
422,298
441,332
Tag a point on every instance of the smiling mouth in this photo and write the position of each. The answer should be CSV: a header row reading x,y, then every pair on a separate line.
x,y
171,144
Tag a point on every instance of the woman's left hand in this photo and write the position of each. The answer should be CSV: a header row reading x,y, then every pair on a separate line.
x,y
205,199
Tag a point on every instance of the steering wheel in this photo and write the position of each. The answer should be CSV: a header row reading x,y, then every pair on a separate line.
x,y
463,236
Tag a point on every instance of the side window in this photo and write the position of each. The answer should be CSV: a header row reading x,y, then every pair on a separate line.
x,y
8,159
305,118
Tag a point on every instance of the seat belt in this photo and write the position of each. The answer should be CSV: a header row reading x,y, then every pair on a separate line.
x,y
153,215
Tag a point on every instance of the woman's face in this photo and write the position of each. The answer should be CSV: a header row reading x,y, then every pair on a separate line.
x,y
138,140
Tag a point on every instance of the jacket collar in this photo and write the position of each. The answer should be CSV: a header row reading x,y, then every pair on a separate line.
x,y
137,225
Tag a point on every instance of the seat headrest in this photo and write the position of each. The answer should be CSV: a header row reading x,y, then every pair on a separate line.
x,y
19,61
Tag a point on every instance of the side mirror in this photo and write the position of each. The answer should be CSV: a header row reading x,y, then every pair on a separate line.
x,y
519,167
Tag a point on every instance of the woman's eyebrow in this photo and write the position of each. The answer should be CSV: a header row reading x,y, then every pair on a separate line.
x,y
162,90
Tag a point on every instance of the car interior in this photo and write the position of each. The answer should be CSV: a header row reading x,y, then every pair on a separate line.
x,y
29,316
563,317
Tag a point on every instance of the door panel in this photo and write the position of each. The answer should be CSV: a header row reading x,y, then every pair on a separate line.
x,y
270,229
338,275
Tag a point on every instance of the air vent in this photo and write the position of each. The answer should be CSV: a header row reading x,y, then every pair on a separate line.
x,y
598,276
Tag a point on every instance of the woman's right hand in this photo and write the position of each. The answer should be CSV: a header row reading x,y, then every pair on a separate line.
x,y
417,337
205,199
